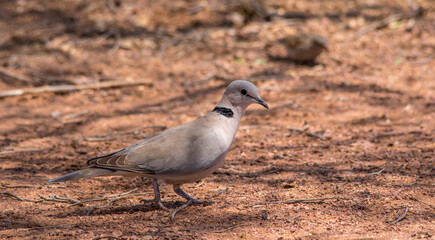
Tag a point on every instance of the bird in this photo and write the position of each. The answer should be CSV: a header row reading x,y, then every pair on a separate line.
x,y
299,48
182,154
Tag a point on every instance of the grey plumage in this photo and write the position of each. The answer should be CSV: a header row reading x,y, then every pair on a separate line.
x,y
182,154
84,173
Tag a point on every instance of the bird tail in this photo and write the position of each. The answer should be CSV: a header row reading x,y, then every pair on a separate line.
x,y
84,173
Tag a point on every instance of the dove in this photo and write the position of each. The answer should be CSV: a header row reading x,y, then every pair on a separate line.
x,y
182,154
299,48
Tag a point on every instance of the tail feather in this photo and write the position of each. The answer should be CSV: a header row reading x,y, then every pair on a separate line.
x,y
84,173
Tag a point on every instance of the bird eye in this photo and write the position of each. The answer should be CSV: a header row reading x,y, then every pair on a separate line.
x,y
243,91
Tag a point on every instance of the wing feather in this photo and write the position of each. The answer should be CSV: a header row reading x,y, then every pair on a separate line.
x,y
179,150
117,161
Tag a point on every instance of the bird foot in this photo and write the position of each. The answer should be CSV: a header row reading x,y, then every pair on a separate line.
x,y
195,202
158,203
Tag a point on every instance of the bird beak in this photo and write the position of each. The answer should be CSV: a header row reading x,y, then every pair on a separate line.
x,y
325,47
261,102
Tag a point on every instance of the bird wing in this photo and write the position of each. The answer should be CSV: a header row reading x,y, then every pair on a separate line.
x,y
116,161
180,150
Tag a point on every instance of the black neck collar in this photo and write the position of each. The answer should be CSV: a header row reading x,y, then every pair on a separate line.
x,y
227,112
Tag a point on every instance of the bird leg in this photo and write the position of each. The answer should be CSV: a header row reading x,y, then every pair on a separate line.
x,y
157,195
177,190
157,198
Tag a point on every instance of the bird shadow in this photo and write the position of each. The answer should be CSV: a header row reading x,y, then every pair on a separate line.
x,y
312,63
114,210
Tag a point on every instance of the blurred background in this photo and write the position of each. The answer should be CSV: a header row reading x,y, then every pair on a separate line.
x,y
350,84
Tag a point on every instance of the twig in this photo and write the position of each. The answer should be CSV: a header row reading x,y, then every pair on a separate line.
x,y
416,199
200,184
89,200
227,229
122,194
219,193
205,79
12,77
24,151
376,25
203,230
116,44
305,130
104,206
104,198
108,237
312,200
115,197
311,134
158,226
187,230
423,61
72,200
403,216
16,186
45,227
196,9
172,216
69,88
19,198
95,139
51,198
55,198
387,135
384,22
374,173
299,130
74,115
271,170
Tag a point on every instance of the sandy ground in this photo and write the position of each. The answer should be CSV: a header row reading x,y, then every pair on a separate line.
x,y
366,110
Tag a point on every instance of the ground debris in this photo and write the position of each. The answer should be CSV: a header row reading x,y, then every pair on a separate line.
x,y
356,125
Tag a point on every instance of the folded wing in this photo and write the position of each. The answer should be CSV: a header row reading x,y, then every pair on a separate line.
x,y
181,150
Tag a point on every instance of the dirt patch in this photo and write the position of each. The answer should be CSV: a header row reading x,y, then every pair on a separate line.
x,y
355,129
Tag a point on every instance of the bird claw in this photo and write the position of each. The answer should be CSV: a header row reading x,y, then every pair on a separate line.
x,y
196,202
158,203
209,203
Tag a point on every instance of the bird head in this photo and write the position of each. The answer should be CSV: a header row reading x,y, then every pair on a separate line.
x,y
243,93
